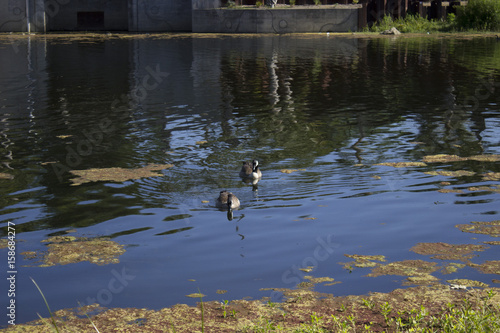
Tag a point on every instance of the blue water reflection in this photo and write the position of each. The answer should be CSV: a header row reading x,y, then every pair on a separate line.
x,y
319,113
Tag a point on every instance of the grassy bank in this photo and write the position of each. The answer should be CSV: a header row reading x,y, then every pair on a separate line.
x,y
419,309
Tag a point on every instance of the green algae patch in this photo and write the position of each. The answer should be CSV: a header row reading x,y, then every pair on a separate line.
x,y
417,271
316,280
63,250
443,158
196,295
300,310
362,260
486,228
4,242
458,173
493,188
491,176
118,175
488,267
467,283
449,190
445,251
403,164
452,267
291,170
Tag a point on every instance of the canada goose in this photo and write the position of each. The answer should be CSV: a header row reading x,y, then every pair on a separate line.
x,y
250,170
227,200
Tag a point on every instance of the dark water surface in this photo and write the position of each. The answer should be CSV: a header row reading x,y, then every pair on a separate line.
x,y
331,107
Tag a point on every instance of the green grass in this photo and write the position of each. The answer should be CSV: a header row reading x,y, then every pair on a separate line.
x,y
478,15
413,24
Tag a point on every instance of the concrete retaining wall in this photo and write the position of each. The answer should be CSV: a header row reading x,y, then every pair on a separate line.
x,y
290,20
160,15
169,16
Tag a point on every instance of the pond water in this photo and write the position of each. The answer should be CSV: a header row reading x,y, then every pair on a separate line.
x,y
330,107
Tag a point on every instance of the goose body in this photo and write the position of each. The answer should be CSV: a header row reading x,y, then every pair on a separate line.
x,y
250,170
227,200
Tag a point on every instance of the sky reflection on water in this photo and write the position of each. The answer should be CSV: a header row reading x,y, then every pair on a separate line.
x,y
331,108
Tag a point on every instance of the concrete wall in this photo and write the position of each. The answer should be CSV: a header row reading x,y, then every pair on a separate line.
x,y
14,16
275,20
84,15
160,15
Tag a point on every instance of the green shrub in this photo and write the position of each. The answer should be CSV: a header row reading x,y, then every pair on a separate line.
x,y
479,15
410,23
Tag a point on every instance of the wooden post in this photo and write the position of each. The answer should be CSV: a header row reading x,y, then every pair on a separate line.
x,y
362,15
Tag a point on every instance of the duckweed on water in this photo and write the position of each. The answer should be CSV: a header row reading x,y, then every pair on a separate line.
x,y
65,250
443,158
291,170
459,173
444,251
411,268
467,283
488,267
117,174
363,260
486,228
403,164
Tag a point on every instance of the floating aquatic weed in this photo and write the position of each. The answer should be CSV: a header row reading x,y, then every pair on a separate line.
x,y
486,228
403,164
4,242
491,176
65,250
307,269
317,280
493,188
467,283
362,260
459,173
485,158
443,158
420,280
449,190
291,170
452,267
418,271
117,174
445,251
196,295
488,267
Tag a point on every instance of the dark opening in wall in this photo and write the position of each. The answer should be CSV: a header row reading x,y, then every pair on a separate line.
x,y
90,20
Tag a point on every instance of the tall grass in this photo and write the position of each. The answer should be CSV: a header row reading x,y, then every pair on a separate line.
x,y
411,23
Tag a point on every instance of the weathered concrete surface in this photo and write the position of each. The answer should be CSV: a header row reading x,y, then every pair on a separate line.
x,y
159,15
290,20
22,15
